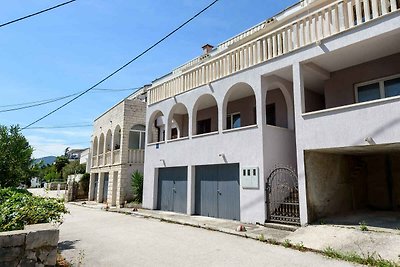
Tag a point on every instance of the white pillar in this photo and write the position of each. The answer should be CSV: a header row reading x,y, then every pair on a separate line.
x,y
299,107
191,190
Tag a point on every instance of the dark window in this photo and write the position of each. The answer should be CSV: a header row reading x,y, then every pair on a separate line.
x,y
271,116
204,126
392,87
174,133
368,92
233,121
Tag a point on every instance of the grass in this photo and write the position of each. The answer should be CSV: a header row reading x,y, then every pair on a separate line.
x,y
370,259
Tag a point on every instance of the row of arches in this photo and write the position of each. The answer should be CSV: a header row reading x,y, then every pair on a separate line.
x,y
111,141
238,107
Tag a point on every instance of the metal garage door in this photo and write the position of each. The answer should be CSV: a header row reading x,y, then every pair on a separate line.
x,y
172,189
217,191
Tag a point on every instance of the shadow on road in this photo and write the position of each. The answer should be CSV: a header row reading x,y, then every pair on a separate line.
x,y
67,245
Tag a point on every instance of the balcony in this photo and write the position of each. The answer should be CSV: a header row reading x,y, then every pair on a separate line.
x,y
117,156
307,28
107,158
100,160
136,156
94,161
351,125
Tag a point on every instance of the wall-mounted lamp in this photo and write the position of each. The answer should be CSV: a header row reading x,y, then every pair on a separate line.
x,y
370,141
163,162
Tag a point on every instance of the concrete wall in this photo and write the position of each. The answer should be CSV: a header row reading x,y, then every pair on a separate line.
x,y
329,189
276,97
34,246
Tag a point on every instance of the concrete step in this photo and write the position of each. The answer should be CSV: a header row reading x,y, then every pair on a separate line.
x,y
285,227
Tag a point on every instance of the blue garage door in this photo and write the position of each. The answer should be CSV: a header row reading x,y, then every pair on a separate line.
x,y
218,191
172,189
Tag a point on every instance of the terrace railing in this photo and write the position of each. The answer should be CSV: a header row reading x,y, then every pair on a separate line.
x,y
334,18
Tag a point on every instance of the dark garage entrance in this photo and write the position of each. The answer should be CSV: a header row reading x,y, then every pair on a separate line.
x,y
172,189
359,183
218,191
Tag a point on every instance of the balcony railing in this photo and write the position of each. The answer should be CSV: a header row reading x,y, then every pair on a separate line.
x,y
94,161
116,156
101,160
312,27
107,158
136,156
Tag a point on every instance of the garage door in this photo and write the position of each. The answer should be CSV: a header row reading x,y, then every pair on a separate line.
x,y
218,191
172,189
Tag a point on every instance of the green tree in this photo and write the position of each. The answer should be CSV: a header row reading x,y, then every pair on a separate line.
x,y
74,167
60,164
15,156
137,186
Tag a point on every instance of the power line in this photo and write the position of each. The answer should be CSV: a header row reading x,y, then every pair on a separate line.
x,y
48,101
36,13
123,66
60,127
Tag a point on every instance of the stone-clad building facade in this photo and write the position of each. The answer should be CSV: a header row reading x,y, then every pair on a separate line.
x,y
117,150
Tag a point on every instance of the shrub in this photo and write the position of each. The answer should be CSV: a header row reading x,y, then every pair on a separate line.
x,y
84,183
137,186
18,208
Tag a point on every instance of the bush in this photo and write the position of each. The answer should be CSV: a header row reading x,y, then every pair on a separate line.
x,y
18,208
137,186
84,183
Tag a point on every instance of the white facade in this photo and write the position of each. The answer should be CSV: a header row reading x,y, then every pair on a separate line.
x,y
301,55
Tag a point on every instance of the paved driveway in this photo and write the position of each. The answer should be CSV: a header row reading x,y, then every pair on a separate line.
x,y
98,238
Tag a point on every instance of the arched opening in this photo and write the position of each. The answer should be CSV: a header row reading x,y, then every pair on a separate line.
x,y
137,137
156,130
178,122
108,141
101,144
276,108
95,146
240,107
117,138
205,115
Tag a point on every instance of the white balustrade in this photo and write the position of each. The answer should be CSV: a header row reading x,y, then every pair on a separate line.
x,y
336,17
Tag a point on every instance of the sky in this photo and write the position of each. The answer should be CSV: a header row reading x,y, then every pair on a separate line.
x,y
69,49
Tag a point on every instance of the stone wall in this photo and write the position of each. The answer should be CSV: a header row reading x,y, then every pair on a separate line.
x,y
34,246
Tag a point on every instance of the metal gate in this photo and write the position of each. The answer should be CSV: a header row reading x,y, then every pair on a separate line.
x,y
172,189
283,196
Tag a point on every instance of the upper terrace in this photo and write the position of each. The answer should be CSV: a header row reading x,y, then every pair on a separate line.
x,y
302,25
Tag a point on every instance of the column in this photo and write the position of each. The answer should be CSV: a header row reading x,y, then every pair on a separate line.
x,y
299,107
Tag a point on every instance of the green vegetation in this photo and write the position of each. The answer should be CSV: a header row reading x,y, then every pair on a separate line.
x,y
137,186
15,157
261,237
84,183
18,208
370,260
73,167
363,226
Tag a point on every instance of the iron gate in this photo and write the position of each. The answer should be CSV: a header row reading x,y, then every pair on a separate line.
x,y
283,196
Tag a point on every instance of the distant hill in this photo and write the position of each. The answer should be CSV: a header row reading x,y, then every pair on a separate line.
x,y
47,160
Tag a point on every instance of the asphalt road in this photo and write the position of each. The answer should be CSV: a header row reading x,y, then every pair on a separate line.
x,y
90,237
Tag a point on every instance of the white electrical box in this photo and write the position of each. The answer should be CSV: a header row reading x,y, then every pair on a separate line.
x,y
249,178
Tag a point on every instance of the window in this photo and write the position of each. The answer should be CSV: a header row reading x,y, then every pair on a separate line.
x,y
174,133
233,121
204,126
377,89
137,137
271,114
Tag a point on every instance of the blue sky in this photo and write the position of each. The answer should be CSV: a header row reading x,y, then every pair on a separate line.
x,y
69,49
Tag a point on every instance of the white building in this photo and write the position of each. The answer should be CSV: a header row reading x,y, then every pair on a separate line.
x,y
315,88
